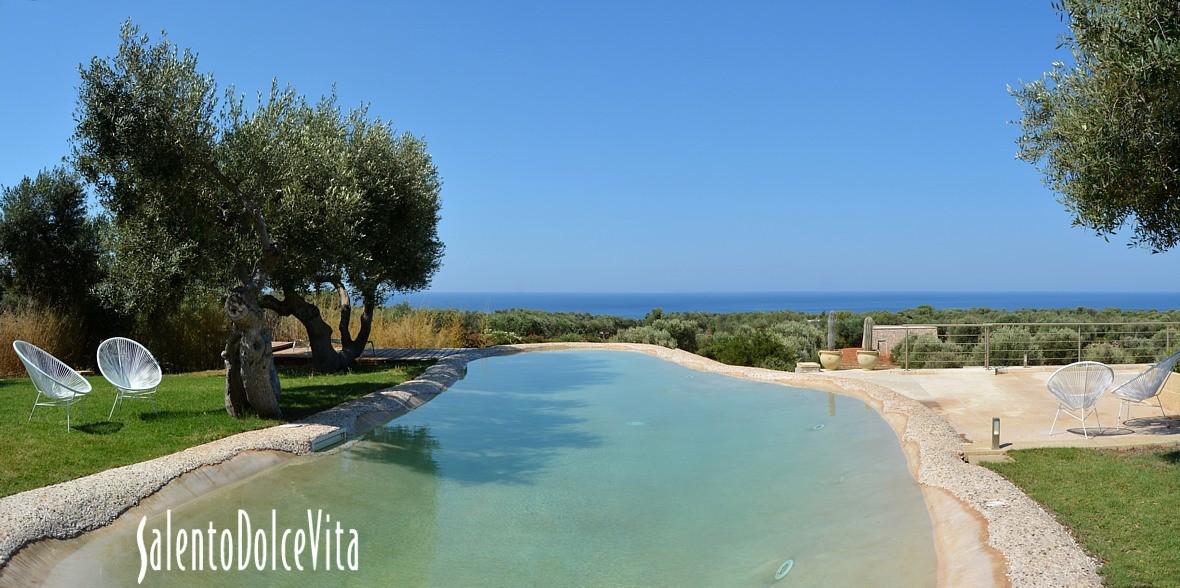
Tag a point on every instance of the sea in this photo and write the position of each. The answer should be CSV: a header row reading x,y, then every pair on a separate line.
x,y
636,305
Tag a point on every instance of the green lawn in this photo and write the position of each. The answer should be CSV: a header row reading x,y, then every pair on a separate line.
x,y
1123,505
191,412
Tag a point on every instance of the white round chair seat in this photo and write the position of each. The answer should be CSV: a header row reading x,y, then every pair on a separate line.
x,y
130,368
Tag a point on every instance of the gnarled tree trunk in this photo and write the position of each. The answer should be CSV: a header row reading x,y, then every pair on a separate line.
x,y
324,356
251,381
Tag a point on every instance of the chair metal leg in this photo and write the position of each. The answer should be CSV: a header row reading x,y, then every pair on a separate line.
x,y
1054,425
1096,419
118,395
68,405
1161,404
35,401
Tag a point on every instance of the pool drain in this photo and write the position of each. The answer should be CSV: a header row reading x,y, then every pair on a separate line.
x,y
818,427
784,569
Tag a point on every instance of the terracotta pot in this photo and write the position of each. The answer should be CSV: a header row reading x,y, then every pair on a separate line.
x,y
867,359
829,359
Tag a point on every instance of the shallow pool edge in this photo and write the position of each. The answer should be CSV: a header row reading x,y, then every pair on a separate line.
x,y
986,531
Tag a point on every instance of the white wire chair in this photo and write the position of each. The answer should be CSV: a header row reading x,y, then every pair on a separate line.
x,y
54,380
1077,387
130,368
1146,386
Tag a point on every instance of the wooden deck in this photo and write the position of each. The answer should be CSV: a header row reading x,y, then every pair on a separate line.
x,y
284,353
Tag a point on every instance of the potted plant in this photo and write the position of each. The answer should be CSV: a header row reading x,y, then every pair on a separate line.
x,y
867,357
829,358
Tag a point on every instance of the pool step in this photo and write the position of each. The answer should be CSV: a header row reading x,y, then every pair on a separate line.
x,y
806,367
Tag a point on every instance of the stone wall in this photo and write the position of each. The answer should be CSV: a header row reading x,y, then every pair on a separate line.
x,y
885,337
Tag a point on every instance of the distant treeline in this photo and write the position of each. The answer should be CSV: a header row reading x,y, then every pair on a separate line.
x,y
778,340
192,337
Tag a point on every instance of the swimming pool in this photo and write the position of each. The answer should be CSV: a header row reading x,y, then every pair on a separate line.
x,y
587,468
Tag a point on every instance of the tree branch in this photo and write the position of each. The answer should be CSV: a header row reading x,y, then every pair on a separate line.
x,y
270,251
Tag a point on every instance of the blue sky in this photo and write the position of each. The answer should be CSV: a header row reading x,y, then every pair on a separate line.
x,y
654,146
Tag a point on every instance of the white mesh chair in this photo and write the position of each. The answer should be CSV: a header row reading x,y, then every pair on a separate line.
x,y
1146,386
56,383
1077,387
130,368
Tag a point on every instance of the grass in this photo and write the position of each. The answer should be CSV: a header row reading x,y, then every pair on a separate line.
x,y
1122,505
191,412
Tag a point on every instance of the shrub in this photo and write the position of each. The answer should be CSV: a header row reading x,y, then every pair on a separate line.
x,y
188,337
1056,346
540,325
682,330
800,339
750,347
1106,353
928,351
646,334
1009,346
491,338
1140,349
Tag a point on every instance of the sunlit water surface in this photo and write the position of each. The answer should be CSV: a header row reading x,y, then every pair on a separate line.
x,y
587,468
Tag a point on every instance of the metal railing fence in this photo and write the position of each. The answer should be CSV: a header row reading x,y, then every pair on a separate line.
x,y
1016,344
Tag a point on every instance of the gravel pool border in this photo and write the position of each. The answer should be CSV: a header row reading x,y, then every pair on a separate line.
x,y
1025,546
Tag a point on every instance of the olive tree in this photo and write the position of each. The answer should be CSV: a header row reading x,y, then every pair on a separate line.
x,y
262,204
1105,130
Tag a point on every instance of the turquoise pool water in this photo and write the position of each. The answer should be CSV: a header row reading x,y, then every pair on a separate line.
x,y
587,468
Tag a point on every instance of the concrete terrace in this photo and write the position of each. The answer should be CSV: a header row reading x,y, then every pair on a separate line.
x,y
969,397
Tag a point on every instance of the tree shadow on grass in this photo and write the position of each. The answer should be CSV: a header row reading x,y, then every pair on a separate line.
x,y
100,428
172,415
298,402
1172,457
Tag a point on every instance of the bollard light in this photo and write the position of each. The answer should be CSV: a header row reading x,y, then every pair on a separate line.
x,y
995,432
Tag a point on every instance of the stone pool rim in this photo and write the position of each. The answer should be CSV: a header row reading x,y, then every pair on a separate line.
x,y
985,529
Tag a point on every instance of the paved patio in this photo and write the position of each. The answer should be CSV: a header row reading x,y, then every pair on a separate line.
x,y
970,397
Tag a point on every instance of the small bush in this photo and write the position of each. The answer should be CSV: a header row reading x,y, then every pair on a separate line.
x,y
1107,353
1010,345
186,338
682,330
1139,349
1056,346
491,338
648,335
928,351
802,340
540,326
750,347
